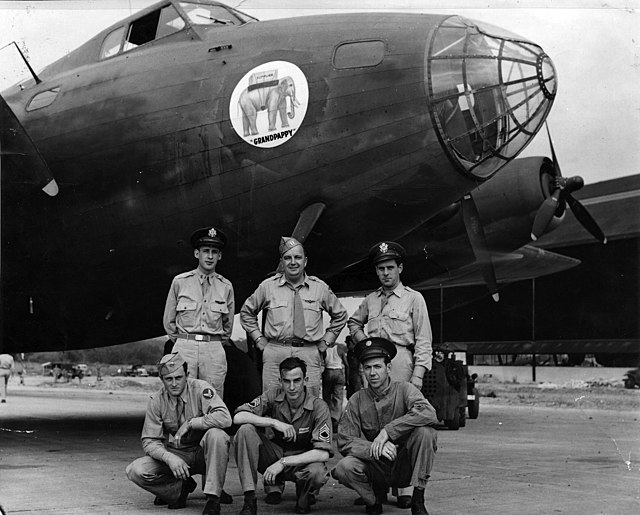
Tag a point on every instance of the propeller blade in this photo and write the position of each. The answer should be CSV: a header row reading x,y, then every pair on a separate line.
x,y
556,165
583,216
545,215
478,241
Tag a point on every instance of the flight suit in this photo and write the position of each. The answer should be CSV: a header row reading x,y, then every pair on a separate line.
x,y
205,448
198,317
276,297
409,420
255,452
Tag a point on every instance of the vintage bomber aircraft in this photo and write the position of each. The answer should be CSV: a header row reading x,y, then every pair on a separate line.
x,y
341,129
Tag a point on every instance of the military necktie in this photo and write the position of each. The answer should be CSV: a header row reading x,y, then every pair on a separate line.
x,y
299,326
180,411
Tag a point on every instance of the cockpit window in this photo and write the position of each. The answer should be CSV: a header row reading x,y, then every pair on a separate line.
x,y
490,92
155,25
206,14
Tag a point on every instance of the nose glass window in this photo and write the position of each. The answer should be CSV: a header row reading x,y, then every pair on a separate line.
x,y
490,93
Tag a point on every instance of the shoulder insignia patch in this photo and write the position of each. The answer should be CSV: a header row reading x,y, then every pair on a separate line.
x,y
324,435
254,403
208,393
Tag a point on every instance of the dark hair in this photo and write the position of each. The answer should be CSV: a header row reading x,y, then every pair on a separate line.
x,y
293,363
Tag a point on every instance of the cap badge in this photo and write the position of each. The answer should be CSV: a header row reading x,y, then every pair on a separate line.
x,y
384,248
212,233
368,344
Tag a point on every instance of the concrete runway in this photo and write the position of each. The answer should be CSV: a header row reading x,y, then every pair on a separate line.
x,y
65,451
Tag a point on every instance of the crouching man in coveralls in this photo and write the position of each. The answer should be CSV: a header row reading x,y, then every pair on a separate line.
x,y
183,435
386,433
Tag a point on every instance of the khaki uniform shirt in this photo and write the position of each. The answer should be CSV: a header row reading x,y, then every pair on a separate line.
x,y
6,361
202,405
399,409
312,423
274,296
404,320
189,310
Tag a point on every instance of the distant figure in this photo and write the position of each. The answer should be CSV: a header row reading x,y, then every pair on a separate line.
x,y
294,303
333,381
198,314
183,434
57,373
300,445
6,370
387,434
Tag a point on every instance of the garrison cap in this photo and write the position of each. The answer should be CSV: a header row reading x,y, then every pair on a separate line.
x,y
208,236
170,363
287,243
374,347
386,250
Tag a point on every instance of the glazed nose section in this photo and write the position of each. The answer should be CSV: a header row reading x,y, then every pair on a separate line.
x,y
490,92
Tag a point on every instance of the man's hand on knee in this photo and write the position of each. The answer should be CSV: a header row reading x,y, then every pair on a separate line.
x,y
178,466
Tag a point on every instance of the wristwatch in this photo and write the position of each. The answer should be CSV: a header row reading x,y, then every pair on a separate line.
x,y
282,462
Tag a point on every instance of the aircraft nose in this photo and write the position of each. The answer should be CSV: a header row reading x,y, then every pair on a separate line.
x,y
490,91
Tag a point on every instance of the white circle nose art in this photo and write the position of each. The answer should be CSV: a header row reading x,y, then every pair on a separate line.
x,y
269,104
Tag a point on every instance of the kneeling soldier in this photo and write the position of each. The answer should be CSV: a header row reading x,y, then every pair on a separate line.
x,y
386,433
183,435
301,443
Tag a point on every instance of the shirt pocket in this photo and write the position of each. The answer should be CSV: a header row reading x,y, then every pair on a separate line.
x,y
186,311
218,311
398,321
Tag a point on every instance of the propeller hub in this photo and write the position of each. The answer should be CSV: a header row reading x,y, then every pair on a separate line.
x,y
572,184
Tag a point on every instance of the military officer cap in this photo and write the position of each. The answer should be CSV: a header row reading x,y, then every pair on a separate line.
x,y
287,243
170,363
209,236
374,347
385,250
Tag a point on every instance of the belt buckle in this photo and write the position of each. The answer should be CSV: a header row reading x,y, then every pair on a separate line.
x,y
199,337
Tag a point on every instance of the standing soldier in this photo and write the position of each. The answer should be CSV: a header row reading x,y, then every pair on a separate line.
x,y
399,314
198,315
294,303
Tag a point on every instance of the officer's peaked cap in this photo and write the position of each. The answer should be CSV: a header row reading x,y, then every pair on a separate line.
x,y
385,250
374,347
210,236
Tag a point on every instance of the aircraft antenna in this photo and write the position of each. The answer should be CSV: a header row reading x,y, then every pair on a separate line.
x,y
33,73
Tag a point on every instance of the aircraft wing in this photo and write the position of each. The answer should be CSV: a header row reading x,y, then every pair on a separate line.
x,y
17,149
527,262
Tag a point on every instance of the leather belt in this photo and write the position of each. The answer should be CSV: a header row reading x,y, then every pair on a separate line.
x,y
200,337
293,342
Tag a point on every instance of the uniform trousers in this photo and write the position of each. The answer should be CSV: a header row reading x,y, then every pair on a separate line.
x,y
274,353
255,453
402,364
210,459
412,466
5,374
205,360
333,392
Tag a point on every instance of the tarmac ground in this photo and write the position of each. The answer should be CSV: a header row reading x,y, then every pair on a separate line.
x,y
65,451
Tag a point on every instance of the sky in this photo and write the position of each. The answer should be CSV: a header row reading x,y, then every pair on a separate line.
x,y
595,120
